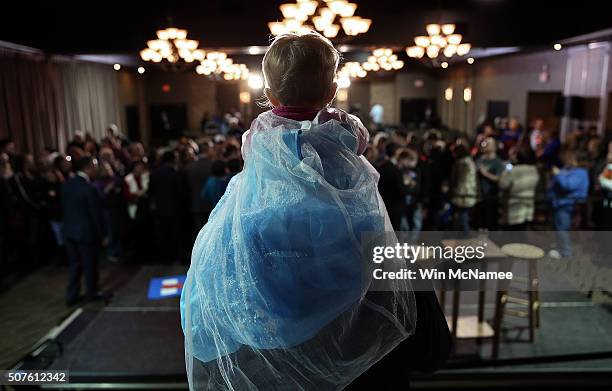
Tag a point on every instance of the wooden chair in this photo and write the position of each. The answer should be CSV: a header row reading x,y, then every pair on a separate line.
x,y
510,294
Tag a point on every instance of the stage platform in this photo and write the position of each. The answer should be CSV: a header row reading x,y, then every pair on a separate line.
x,y
136,343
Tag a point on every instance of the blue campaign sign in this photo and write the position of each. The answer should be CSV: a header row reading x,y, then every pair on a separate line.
x,y
164,287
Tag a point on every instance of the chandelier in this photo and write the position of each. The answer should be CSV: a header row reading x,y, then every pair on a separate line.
x,y
441,40
383,59
302,16
172,49
217,63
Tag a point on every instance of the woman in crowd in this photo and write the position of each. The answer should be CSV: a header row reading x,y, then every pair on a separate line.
x,y
490,167
135,189
605,182
511,135
108,184
53,183
568,186
464,187
408,162
517,184
549,152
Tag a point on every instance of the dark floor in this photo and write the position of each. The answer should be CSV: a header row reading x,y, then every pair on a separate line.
x,y
571,324
34,304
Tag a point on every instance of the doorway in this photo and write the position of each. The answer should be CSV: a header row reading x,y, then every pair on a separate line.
x,y
543,105
228,98
133,123
419,113
167,122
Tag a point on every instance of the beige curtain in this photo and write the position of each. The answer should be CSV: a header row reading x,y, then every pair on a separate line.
x,y
43,101
89,97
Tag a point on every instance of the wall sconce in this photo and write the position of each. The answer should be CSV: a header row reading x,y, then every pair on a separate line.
x,y
544,76
467,94
448,94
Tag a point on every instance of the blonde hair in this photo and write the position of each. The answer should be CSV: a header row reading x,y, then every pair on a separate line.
x,y
299,69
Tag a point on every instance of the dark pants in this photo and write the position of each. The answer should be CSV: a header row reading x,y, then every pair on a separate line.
x,y
462,219
563,224
487,213
82,260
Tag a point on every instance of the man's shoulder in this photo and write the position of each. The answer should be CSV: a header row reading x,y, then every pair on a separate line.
x,y
73,181
78,184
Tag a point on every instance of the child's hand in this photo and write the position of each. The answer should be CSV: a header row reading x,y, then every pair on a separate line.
x,y
363,136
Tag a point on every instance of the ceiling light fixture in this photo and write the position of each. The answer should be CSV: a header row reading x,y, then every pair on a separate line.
x,y
302,16
172,49
382,59
441,39
218,64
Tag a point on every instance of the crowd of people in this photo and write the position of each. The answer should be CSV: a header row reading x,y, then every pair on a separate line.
x,y
149,205
504,178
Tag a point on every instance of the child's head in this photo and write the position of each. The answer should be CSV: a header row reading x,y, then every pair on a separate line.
x,y
300,70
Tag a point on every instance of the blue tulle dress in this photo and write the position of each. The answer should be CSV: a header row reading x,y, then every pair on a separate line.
x,y
275,297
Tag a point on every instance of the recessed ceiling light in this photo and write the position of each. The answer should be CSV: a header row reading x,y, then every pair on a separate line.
x,y
557,46
141,70
444,65
470,60
116,67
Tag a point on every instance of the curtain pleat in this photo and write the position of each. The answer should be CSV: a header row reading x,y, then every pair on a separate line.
x,y
44,101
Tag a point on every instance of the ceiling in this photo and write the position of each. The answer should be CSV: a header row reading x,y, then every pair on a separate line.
x,y
122,27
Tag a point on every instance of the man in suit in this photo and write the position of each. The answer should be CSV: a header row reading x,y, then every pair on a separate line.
x,y
83,229
197,173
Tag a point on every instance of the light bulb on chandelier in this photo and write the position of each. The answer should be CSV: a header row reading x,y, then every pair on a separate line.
x,y
302,16
441,39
